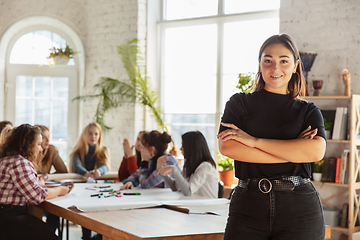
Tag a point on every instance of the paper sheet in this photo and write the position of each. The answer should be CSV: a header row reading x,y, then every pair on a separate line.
x,y
80,198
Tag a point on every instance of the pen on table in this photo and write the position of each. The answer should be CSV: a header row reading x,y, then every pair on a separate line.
x,y
90,188
131,193
96,195
107,190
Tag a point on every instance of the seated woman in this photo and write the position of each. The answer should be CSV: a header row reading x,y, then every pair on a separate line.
x,y
90,159
19,185
130,163
153,146
49,157
5,132
199,175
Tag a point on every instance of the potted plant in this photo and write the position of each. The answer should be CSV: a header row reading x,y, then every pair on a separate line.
x,y
226,171
245,82
328,124
60,56
317,170
137,89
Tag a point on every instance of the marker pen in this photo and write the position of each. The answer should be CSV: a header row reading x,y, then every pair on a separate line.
x,y
107,190
131,193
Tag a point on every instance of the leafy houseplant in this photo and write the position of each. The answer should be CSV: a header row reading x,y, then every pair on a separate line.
x,y
317,166
328,125
226,164
227,170
112,93
59,55
245,82
317,170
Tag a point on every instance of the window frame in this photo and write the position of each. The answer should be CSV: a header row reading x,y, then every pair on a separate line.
x,y
220,20
70,71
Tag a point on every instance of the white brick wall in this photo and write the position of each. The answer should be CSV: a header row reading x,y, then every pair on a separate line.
x,y
330,28
101,25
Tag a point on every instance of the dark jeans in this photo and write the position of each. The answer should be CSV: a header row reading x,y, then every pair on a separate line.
x,y
87,235
15,224
52,220
278,215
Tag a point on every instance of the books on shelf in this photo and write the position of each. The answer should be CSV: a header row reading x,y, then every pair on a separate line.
x,y
340,124
336,170
344,173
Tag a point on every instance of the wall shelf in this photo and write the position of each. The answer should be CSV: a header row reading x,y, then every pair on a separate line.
x,y
353,144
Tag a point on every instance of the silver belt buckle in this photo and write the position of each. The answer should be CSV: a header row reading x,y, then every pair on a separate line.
x,y
260,186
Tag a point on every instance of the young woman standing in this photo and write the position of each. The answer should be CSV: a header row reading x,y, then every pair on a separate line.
x,y
274,137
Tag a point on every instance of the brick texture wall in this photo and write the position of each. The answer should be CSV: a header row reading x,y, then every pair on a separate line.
x,y
331,28
102,25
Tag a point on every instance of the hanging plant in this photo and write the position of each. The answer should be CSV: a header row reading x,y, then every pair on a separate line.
x,y
60,56
245,82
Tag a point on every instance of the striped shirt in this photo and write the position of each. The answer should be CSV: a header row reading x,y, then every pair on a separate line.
x,y
18,182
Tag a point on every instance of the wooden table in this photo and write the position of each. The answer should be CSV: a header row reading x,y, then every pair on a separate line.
x,y
148,223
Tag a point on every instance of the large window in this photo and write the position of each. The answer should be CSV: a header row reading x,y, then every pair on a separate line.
x,y
39,94
205,45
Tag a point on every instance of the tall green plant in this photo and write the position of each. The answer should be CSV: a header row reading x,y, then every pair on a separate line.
x,y
113,93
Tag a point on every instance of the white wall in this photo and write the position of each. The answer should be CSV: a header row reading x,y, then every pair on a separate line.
x,y
331,28
101,25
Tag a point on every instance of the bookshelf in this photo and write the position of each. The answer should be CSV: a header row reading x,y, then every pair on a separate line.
x,y
353,188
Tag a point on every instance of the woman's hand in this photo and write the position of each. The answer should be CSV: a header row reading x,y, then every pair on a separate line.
x,y
161,162
70,186
165,170
88,174
236,134
128,151
95,173
128,185
42,179
308,133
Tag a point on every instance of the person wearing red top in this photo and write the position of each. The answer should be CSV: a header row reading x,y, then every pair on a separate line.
x,y
19,185
130,163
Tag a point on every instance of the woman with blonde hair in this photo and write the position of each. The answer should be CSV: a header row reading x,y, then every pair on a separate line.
x,y
4,132
90,159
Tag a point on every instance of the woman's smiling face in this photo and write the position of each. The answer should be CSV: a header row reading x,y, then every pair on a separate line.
x,y
277,66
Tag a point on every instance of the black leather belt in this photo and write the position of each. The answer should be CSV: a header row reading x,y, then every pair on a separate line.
x,y
280,184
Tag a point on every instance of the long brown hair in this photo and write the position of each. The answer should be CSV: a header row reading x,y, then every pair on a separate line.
x,y
43,158
82,148
21,141
296,85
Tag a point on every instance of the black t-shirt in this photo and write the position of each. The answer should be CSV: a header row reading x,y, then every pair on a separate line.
x,y
269,115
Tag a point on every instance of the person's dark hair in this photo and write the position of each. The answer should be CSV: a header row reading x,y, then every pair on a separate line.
x,y
196,151
21,141
158,140
3,124
296,84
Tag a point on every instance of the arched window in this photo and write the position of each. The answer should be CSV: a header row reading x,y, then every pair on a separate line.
x,y
36,93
